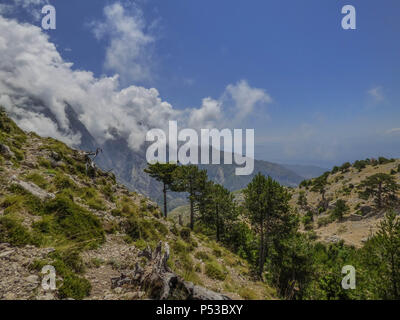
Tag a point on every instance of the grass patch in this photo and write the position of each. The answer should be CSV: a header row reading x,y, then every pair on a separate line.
x,y
13,232
215,271
37,179
65,221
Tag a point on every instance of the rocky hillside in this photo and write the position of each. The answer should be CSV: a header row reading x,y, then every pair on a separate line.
x,y
360,213
103,240
360,218
128,165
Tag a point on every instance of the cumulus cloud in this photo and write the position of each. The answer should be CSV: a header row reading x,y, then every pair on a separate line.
x,y
129,42
37,87
245,98
207,116
32,67
237,103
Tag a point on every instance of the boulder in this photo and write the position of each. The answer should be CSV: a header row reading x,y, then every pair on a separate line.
x,y
6,151
33,188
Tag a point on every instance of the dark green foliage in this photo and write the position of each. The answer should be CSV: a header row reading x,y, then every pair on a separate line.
x,y
382,187
340,209
360,164
291,266
383,160
74,287
13,232
165,174
217,210
193,181
302,200
384,250
267,204
319,185
345,167
185,234
308,220
335,169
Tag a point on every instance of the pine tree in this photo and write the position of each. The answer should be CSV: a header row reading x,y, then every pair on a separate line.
x,y
382,187
218,210
267,204
191,180
387,249
162,172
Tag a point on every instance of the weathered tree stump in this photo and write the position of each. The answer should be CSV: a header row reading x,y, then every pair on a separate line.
x,y
160,282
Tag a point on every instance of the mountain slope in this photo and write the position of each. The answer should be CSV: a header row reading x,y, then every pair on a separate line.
x,y
361,219
128,165
92,229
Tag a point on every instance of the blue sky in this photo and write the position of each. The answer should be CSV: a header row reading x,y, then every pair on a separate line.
x,y
334,93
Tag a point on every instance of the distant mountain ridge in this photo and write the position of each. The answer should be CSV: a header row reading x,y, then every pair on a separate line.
x,y
306,171
128,165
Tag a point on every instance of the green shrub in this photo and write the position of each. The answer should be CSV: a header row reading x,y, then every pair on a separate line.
x,y
146,229
74,287
116,212
215,271
63,182
247,293
96,204
202,255
324,221
217,252
44,163
185,234
340,209
161,228
13,232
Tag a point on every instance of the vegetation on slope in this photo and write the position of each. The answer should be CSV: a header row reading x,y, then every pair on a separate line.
x,y
48,200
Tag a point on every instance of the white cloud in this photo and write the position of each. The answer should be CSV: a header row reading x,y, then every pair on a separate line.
x,y
245,98
32,67
236,104
129,49
376,94
36,85
208,116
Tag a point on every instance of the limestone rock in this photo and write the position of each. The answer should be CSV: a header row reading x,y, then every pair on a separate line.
x,y
33,188
6,151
